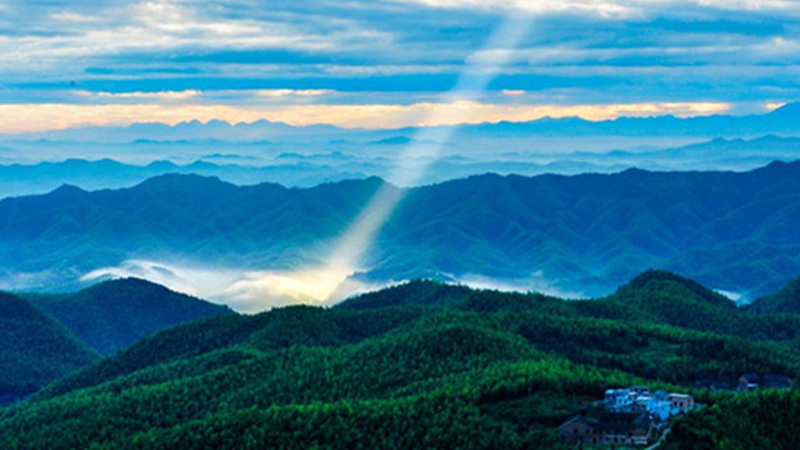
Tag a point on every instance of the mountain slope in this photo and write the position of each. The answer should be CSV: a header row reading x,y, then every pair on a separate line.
x,y
114,314
479,369
762,420
35,349
787,300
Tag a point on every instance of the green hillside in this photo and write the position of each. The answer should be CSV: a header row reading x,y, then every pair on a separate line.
x,y
35,349
787,300
762,420
417,365
114,314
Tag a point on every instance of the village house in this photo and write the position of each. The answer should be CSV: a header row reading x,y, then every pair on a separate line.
x,y
617,399
604,427
681,403
773,381
640,399
745,383
751,381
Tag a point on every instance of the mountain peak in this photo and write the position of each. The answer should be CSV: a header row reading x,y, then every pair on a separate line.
x,y
650,276
662,281
421,292
779,168
128,282
114,314
174,181
787,111
68,191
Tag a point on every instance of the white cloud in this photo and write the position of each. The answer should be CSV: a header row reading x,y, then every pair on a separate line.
x,y
607,8
661,49
163,95
170,25
536,282
750,5
281,93
601,7
243,290
75,18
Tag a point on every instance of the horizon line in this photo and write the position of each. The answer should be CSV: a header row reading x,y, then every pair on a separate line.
x,y
349,118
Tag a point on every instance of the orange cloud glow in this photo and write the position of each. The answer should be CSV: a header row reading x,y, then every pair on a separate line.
x,y
18,118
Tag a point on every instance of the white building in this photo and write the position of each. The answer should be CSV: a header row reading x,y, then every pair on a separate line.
x,y
618,399
659,404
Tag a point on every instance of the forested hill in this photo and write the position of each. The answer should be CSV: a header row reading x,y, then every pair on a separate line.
x,y
587,233
34,349
417,365
114,314
787,300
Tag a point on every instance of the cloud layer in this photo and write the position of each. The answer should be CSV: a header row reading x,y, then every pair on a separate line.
x,y
369,63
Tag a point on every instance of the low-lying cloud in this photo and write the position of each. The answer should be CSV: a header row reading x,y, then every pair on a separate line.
x,y
246,291
249,291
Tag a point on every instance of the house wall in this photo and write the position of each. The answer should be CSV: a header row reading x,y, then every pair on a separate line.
x,y
576,431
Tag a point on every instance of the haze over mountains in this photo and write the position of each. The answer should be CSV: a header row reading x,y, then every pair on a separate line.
x,y
301,170
307,156
782,120
579,235
279,197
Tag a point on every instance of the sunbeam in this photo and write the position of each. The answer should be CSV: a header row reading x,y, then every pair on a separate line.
x,y
317,285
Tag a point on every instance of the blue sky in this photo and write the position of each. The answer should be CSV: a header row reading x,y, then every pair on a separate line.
x,y
388,63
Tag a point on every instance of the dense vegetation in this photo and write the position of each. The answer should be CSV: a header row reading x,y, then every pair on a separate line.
x,y
34,349
732,231
761,420
114,314
787,300
422,365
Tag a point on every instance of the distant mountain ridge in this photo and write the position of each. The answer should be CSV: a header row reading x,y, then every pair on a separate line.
x,y
733,231
293,169
785,119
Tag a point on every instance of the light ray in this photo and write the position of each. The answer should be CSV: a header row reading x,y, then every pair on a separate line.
x,y
317,284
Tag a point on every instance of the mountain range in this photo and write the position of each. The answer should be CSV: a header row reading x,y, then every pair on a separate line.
x,y
581,234
423,362
783,120
294,169
248,153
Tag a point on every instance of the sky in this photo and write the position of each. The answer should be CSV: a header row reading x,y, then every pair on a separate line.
x,y
388,63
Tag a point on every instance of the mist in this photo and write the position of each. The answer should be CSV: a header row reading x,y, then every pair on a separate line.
x,y
245,291
255,291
